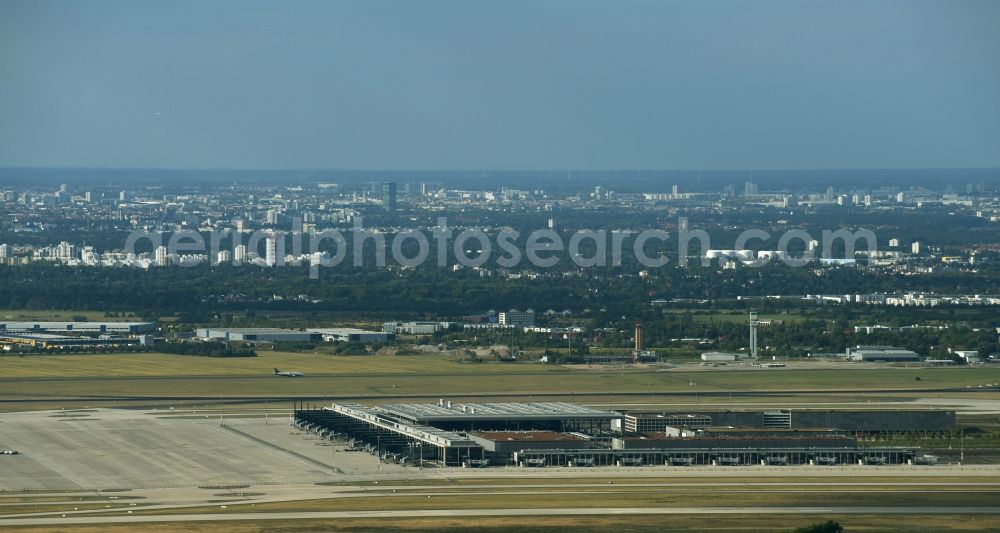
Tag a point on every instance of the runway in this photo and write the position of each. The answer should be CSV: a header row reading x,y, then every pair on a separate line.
x,y
452,513
154,400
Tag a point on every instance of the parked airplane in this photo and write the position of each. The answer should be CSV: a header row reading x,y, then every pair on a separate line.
x,y
292,374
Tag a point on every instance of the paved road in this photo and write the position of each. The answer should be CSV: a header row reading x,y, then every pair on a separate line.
x,y
439,513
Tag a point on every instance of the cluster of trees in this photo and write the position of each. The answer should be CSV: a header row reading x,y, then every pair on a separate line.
x,y
207,349
823,527
798,337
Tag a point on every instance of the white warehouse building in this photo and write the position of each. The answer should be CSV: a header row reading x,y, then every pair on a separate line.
x,y
80,327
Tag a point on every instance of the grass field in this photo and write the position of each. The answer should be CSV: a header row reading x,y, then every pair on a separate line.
x,y
565,524
148,365
611,496
825,495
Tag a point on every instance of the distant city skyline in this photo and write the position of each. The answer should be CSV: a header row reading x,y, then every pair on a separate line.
x,y
448,85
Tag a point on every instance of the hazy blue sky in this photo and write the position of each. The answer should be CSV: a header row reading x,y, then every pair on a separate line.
x,y
506,84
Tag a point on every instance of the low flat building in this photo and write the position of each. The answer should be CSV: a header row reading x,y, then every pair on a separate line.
x,y
552,416
517,318
652,422
51,341
503,444
867,421
258,335
351,335
969,356
79,327
719,357
621,358
882,354
412,328
746,441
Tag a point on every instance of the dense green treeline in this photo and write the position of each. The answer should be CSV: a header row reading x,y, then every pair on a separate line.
x,y
430,290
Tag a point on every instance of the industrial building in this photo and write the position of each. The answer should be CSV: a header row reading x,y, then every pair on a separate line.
x,y
258,335
79,327
881,353
552,433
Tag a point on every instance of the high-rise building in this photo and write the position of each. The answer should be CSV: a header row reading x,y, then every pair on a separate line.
x,y
65,251
123,196
161,256
88,197
4,251
915,248
224,256
389,196
240,254
675,192
271,250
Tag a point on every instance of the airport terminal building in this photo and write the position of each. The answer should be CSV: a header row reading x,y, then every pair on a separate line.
x,y
557,433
